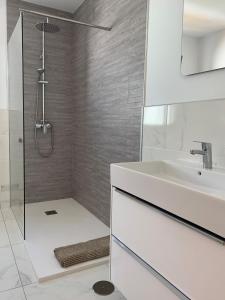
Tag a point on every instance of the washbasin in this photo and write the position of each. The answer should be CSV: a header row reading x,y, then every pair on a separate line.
x,y
188,175
183,189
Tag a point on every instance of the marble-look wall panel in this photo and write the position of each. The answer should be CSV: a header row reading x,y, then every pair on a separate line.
x,y
108,70
47,178
4,159
169,131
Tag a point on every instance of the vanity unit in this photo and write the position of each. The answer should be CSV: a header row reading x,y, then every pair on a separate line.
x,y
168,231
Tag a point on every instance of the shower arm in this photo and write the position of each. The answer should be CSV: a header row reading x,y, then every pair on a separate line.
x,y
65,19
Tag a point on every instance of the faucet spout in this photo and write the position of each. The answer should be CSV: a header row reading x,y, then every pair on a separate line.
x,y
197,152
206,153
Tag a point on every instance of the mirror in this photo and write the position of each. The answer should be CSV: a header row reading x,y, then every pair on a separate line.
x,y
203,39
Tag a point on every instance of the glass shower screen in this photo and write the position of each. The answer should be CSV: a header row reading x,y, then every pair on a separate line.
x,y
16,131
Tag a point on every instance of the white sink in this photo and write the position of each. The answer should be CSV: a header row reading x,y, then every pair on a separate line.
x,y
208,181
190,192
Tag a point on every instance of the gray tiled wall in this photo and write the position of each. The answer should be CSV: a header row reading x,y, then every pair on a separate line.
x,y
108,96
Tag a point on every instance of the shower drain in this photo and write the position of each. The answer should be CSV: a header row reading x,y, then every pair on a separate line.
x,y
103,288
51,212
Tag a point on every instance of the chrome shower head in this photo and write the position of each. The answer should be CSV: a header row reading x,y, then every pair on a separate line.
x,y
47,27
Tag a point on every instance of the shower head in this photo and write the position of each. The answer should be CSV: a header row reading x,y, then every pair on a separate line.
x,y
47,27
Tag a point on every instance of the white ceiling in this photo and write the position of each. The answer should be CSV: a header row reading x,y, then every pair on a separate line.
x,y
66,5
202,17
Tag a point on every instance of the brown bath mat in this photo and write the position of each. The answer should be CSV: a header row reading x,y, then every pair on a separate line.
x,y
75,254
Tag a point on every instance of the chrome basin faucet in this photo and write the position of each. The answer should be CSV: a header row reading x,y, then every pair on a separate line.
x,y
206,153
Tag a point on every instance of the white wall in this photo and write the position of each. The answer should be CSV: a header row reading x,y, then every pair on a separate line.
x,y
202,54
3,56
190,52
15,63
165,83
4,124
213,50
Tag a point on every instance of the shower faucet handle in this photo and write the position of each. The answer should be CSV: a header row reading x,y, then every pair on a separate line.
x,y
44,125
38,125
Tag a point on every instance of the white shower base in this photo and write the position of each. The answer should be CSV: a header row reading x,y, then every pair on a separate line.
x,y
73,224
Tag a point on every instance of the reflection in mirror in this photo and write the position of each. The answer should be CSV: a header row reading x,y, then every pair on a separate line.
x,y
169,131
203,40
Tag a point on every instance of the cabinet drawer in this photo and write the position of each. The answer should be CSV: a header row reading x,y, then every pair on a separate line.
x,y
191,261
137,280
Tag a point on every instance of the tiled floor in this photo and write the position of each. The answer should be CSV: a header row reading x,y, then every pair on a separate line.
x,y
18,280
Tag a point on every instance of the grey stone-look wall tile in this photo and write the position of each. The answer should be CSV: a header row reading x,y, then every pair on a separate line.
x,y
108,95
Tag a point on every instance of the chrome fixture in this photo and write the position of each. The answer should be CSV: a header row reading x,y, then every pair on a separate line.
x,y
41,124
64,19
47,27
206,153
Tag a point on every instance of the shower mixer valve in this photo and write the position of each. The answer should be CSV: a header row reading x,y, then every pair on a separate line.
x,y
44,126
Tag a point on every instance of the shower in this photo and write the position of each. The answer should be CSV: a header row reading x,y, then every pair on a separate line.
x,y
43,128
44,86
41,124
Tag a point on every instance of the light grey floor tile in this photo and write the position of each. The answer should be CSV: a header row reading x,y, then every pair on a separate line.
x,y
9,276
26,271
76,286
15,294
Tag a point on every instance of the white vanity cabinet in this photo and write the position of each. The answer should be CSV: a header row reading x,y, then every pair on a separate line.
x,y
135,279
156,256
